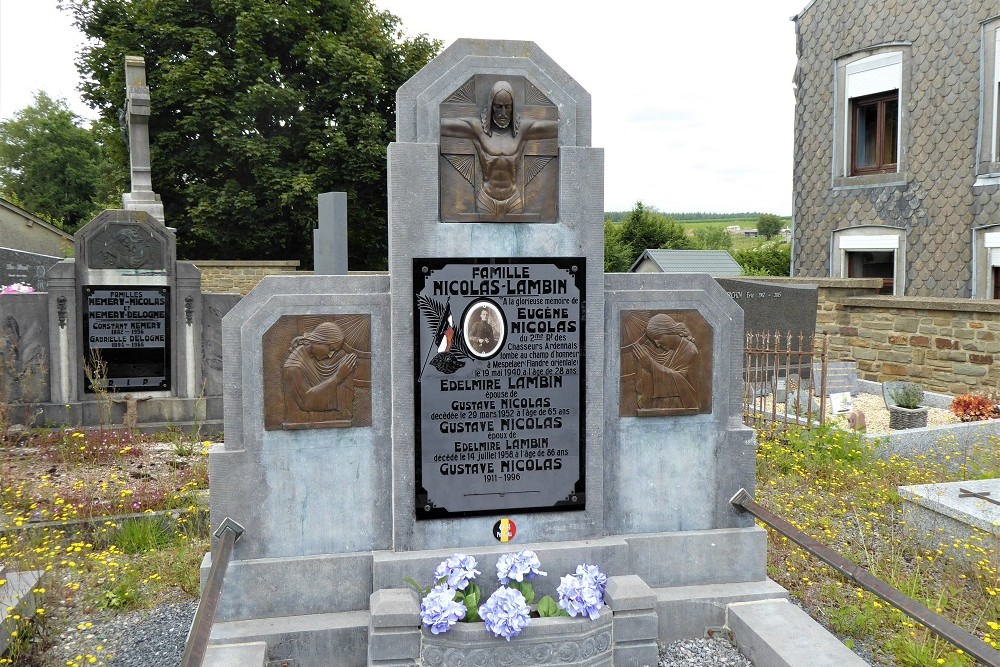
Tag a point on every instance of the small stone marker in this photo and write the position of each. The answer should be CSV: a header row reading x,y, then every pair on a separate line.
x,y
330,238
840,376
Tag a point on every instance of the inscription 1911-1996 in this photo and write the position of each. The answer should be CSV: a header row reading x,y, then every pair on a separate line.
x,y
499,371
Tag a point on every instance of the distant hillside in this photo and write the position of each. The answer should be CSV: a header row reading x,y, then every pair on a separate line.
x,y
618,216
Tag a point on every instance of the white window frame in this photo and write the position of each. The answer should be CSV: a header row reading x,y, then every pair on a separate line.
x,y
988,141
878,69
881,73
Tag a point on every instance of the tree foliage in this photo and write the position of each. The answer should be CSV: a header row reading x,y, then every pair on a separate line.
x,y
258,106
769,225
617,257
643,228
49,163
712,237
770,258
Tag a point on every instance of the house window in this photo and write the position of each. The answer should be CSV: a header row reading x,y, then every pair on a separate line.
x,y
873,264
874,133
870,127
988,162
870,251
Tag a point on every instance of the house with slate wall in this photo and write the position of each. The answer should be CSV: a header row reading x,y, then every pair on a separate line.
x,y
897,145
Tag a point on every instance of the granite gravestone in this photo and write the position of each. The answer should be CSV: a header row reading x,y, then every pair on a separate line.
x,y
769,307
17,266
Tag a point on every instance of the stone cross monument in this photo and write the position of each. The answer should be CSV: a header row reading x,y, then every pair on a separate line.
x,y
135,121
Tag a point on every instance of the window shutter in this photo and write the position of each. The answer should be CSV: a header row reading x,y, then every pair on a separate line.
x,y
875,74
876,242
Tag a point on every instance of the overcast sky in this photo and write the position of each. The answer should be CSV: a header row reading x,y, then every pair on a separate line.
x,y
692,102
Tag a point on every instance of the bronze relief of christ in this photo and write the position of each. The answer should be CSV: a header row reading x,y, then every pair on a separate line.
x,y
499,148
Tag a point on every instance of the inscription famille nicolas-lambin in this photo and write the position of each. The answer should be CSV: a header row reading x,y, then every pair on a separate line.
x,y
501,432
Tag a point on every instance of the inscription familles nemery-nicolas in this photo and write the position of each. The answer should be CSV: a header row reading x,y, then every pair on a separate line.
x,y
499,385
127,318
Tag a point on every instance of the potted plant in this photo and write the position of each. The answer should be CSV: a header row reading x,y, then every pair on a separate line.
x,y
904,401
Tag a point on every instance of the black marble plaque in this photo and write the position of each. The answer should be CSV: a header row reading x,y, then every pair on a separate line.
x,y
128,327
499,385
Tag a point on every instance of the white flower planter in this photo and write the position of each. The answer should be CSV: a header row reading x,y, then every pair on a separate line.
x,y
554,642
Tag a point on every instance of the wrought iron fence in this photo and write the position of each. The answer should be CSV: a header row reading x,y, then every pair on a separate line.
x,y
783,374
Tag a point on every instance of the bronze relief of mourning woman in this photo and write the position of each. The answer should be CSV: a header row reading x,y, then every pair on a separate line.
x,y
318,376
666,363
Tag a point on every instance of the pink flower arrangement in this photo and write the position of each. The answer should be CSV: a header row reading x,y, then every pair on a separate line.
x,y
16,288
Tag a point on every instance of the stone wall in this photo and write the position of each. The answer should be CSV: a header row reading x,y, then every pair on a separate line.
x,y
949,346
232,276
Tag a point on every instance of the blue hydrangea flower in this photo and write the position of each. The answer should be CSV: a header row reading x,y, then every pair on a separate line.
x,y
582,594
459,570
505,613
518,566
439,610
592,573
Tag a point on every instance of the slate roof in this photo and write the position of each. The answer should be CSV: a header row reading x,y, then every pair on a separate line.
x,y
717,263
937,206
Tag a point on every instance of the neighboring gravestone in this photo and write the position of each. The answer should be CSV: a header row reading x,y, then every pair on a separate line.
x,y
517,394
330,238
214,307
135,127
125,300
17,266
770,307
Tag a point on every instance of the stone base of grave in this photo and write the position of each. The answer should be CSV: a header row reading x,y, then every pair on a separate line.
x,y
662,587
251,654
16,599
937,516
775,633
154,414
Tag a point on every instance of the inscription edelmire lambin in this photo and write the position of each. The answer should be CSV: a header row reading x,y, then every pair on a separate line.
x,y
499,366
317,372
499,152
666,363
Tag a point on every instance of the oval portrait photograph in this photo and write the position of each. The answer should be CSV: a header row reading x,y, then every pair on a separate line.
x,y
484,328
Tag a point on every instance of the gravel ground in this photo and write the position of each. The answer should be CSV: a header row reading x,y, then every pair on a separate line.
x,y
143,638
876,414
702,653
155,638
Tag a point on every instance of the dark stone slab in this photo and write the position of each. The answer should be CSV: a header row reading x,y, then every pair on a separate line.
x,y
17,266
770,307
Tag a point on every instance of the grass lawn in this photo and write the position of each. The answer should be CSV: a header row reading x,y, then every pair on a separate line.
x,y
829,485
825,482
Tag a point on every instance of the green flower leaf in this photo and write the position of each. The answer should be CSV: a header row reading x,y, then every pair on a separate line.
x,y
470,598
547,607
526,590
